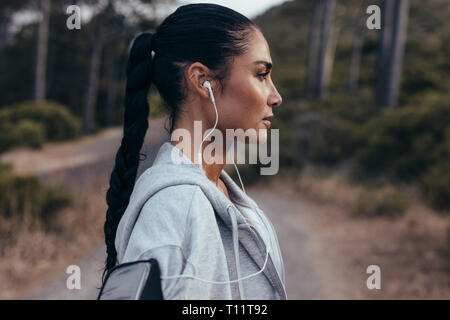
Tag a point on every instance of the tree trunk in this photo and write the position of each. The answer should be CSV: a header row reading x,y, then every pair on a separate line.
x,y
390,58
397,52
92,91
111,87
41,57
327,47
313,48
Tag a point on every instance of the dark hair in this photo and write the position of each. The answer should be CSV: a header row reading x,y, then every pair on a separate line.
x,y
207,33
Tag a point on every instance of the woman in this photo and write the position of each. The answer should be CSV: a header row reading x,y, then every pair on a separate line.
x,y
210,239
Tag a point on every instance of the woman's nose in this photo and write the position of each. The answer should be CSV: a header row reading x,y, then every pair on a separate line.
x,y
275,98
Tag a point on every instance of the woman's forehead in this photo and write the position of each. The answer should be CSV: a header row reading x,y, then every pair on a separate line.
x,y
258,53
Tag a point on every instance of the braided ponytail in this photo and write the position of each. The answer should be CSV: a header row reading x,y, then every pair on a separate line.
x,y
138,72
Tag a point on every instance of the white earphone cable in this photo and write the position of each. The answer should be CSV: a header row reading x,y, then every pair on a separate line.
x,y
200,157
207,84
221,282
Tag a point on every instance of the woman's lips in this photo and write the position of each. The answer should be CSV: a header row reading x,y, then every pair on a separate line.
x,y
267,119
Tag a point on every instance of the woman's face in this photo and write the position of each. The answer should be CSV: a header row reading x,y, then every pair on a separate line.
x,y
249,94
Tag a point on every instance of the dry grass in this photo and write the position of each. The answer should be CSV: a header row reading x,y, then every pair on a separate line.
x,y
34,255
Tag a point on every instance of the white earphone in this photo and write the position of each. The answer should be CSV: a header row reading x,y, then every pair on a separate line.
x,y
207,84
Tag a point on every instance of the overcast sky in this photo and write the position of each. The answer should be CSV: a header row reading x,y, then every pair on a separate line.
x,y
249,8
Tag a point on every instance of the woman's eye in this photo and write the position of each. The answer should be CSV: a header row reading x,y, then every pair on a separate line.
x,y
263,75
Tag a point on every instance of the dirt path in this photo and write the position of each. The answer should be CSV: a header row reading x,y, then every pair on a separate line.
x,y
87,151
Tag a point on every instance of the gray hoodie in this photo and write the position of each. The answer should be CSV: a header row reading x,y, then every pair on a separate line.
x,y
179,217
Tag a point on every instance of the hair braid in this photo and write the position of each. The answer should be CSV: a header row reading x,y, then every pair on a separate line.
x,y
138,72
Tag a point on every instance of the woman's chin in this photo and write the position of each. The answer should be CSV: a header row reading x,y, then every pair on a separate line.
x,y
259,136
262,136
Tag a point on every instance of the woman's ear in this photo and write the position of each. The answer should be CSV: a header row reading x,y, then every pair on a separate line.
x,y
197,75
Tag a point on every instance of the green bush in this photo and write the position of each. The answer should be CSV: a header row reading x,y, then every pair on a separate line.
x,y
386,203
29,133
56,119
400,143
5,168
436,180
52,199
26,195
320,137
404,144
436,184
7,137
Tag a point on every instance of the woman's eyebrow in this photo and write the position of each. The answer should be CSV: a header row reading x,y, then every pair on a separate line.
x,y
266,63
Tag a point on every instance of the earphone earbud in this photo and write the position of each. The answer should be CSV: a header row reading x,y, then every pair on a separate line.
x,y
207,84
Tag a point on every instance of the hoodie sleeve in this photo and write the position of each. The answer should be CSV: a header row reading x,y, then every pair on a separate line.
x,y
159,231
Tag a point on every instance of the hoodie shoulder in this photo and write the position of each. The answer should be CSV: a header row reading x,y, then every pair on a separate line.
x,y
167,211
162,220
